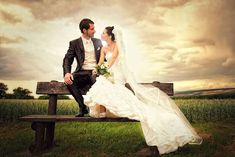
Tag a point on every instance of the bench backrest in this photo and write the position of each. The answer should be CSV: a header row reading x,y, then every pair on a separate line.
x,y
55,87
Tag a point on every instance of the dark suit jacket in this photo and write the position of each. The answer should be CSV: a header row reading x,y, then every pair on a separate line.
x,y
76,50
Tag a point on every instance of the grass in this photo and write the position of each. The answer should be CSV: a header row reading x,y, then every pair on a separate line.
x,y
113,139
212,118
201,110
12,109
196,110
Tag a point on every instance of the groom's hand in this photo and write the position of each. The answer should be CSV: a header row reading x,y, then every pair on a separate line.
x,y
94,72
68,79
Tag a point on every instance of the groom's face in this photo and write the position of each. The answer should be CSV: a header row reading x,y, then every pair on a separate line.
x,y
91,31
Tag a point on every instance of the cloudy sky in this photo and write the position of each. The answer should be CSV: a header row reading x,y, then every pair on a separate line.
x,y
188,42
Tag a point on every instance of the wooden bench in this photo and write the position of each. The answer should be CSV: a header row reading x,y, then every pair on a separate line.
x,y
44,125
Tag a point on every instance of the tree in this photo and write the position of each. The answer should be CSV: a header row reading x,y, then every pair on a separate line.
x,y
3,89
9,96
20,93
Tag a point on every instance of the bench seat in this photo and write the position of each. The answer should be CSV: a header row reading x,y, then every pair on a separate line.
x,y
70,118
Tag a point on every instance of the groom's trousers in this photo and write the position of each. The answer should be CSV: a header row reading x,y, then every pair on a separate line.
x,y
83,80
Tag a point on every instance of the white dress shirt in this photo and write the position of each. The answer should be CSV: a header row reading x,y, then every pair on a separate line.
x,y
90,59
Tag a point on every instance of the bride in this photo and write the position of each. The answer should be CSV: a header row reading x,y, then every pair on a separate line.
x,y
162,122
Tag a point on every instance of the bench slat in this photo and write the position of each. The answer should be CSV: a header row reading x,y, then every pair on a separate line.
x,y
52,88
70,118
168,88
60,88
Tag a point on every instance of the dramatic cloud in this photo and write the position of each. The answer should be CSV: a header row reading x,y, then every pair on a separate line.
x,y
9,40
172,3
8,17
18,65
204,42
189,42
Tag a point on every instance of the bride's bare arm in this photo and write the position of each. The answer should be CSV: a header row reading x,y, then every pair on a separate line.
x,y
101,60
114,56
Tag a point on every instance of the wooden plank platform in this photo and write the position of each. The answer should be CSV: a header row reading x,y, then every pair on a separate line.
x,y
71,118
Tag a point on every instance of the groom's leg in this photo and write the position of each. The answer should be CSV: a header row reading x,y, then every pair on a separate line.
x,y
80,82
76,93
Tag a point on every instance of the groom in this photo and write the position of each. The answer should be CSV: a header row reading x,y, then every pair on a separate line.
x,y
86,51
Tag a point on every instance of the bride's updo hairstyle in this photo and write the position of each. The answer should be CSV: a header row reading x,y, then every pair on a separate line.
x,y
110,32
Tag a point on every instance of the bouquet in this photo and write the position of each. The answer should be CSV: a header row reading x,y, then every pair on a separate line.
x,y
103,70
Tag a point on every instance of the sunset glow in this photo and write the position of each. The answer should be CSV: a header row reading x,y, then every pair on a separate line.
x,y
187,42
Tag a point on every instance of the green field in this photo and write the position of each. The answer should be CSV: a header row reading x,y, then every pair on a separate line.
x,y
213,119
196,110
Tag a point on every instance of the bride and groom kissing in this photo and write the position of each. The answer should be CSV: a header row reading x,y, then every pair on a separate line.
x,y
162,122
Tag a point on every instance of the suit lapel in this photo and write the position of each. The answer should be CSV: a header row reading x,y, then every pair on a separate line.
x,y
81,46
82,50
96,50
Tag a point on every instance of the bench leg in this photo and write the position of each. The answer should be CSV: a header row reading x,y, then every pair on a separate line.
x,y
39,128
50,131
154,151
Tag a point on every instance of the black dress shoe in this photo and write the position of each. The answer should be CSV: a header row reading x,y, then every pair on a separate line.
x,y
81,113
85,111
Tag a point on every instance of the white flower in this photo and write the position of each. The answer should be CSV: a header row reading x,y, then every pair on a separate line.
x,y
102,66
103,69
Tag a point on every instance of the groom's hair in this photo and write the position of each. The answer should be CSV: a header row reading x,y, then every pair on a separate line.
x,y
84,24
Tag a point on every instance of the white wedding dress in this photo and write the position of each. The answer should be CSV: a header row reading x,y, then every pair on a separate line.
x,y
162,122
162,126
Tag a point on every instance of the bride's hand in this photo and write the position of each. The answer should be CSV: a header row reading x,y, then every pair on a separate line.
x,y
108,66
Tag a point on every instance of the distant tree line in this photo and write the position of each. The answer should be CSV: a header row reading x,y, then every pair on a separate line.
x,y
21,93
229,95
18,93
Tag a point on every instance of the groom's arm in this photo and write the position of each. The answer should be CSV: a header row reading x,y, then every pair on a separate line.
x,y
68,58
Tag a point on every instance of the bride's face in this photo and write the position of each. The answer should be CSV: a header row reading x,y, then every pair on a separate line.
x,y
104,35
